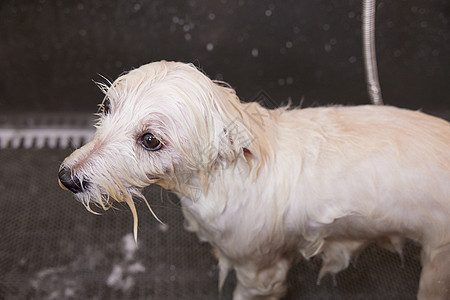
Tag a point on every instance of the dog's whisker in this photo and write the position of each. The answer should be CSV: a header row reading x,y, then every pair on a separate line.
x,y
87,205
104,203
151,210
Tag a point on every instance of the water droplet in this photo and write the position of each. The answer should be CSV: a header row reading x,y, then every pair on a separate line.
x,y
326,27
210,47
137,7
163,227
255,52
351,14
175,19
187,36
289,80
268,13
327,47
211,16
281,81
289,44
333,41
352,59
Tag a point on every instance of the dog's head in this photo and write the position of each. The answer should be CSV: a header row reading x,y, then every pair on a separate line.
x,y
165,123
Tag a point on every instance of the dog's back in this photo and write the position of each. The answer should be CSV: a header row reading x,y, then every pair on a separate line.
x,y
366,174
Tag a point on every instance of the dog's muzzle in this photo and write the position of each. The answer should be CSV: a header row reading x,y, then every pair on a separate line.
x,y
68,181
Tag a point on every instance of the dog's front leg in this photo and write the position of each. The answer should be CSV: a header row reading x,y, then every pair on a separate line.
x,y
261,283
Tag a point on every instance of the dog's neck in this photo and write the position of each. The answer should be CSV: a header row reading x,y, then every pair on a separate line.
x,y
198,184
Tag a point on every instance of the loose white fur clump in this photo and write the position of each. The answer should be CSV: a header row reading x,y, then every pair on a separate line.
x,y
265,186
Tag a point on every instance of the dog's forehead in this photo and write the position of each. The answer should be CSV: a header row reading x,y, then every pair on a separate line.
x,y
162,98
158,88
148,85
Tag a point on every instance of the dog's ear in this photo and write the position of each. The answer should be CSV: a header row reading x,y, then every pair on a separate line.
x,y
243,126
248,156
245,151
224,126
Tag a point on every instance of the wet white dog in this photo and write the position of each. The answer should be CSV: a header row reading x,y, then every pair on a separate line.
x,y
264,186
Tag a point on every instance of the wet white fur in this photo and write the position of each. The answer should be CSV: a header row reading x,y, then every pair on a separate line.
x,y
266,186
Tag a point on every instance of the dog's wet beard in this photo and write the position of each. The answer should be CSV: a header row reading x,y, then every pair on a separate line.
x,y
106,201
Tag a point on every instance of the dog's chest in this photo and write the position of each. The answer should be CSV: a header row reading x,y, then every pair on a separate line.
x,y
236,230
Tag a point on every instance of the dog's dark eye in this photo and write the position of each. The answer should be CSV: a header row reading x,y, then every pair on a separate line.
x,y
106,106
149,142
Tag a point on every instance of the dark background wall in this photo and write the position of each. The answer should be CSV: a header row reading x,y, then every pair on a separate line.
x,y
304,49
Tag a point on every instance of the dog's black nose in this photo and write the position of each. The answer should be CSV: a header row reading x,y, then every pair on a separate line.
x,y
71,182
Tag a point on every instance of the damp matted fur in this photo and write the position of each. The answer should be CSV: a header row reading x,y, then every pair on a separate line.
x,y
266,186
